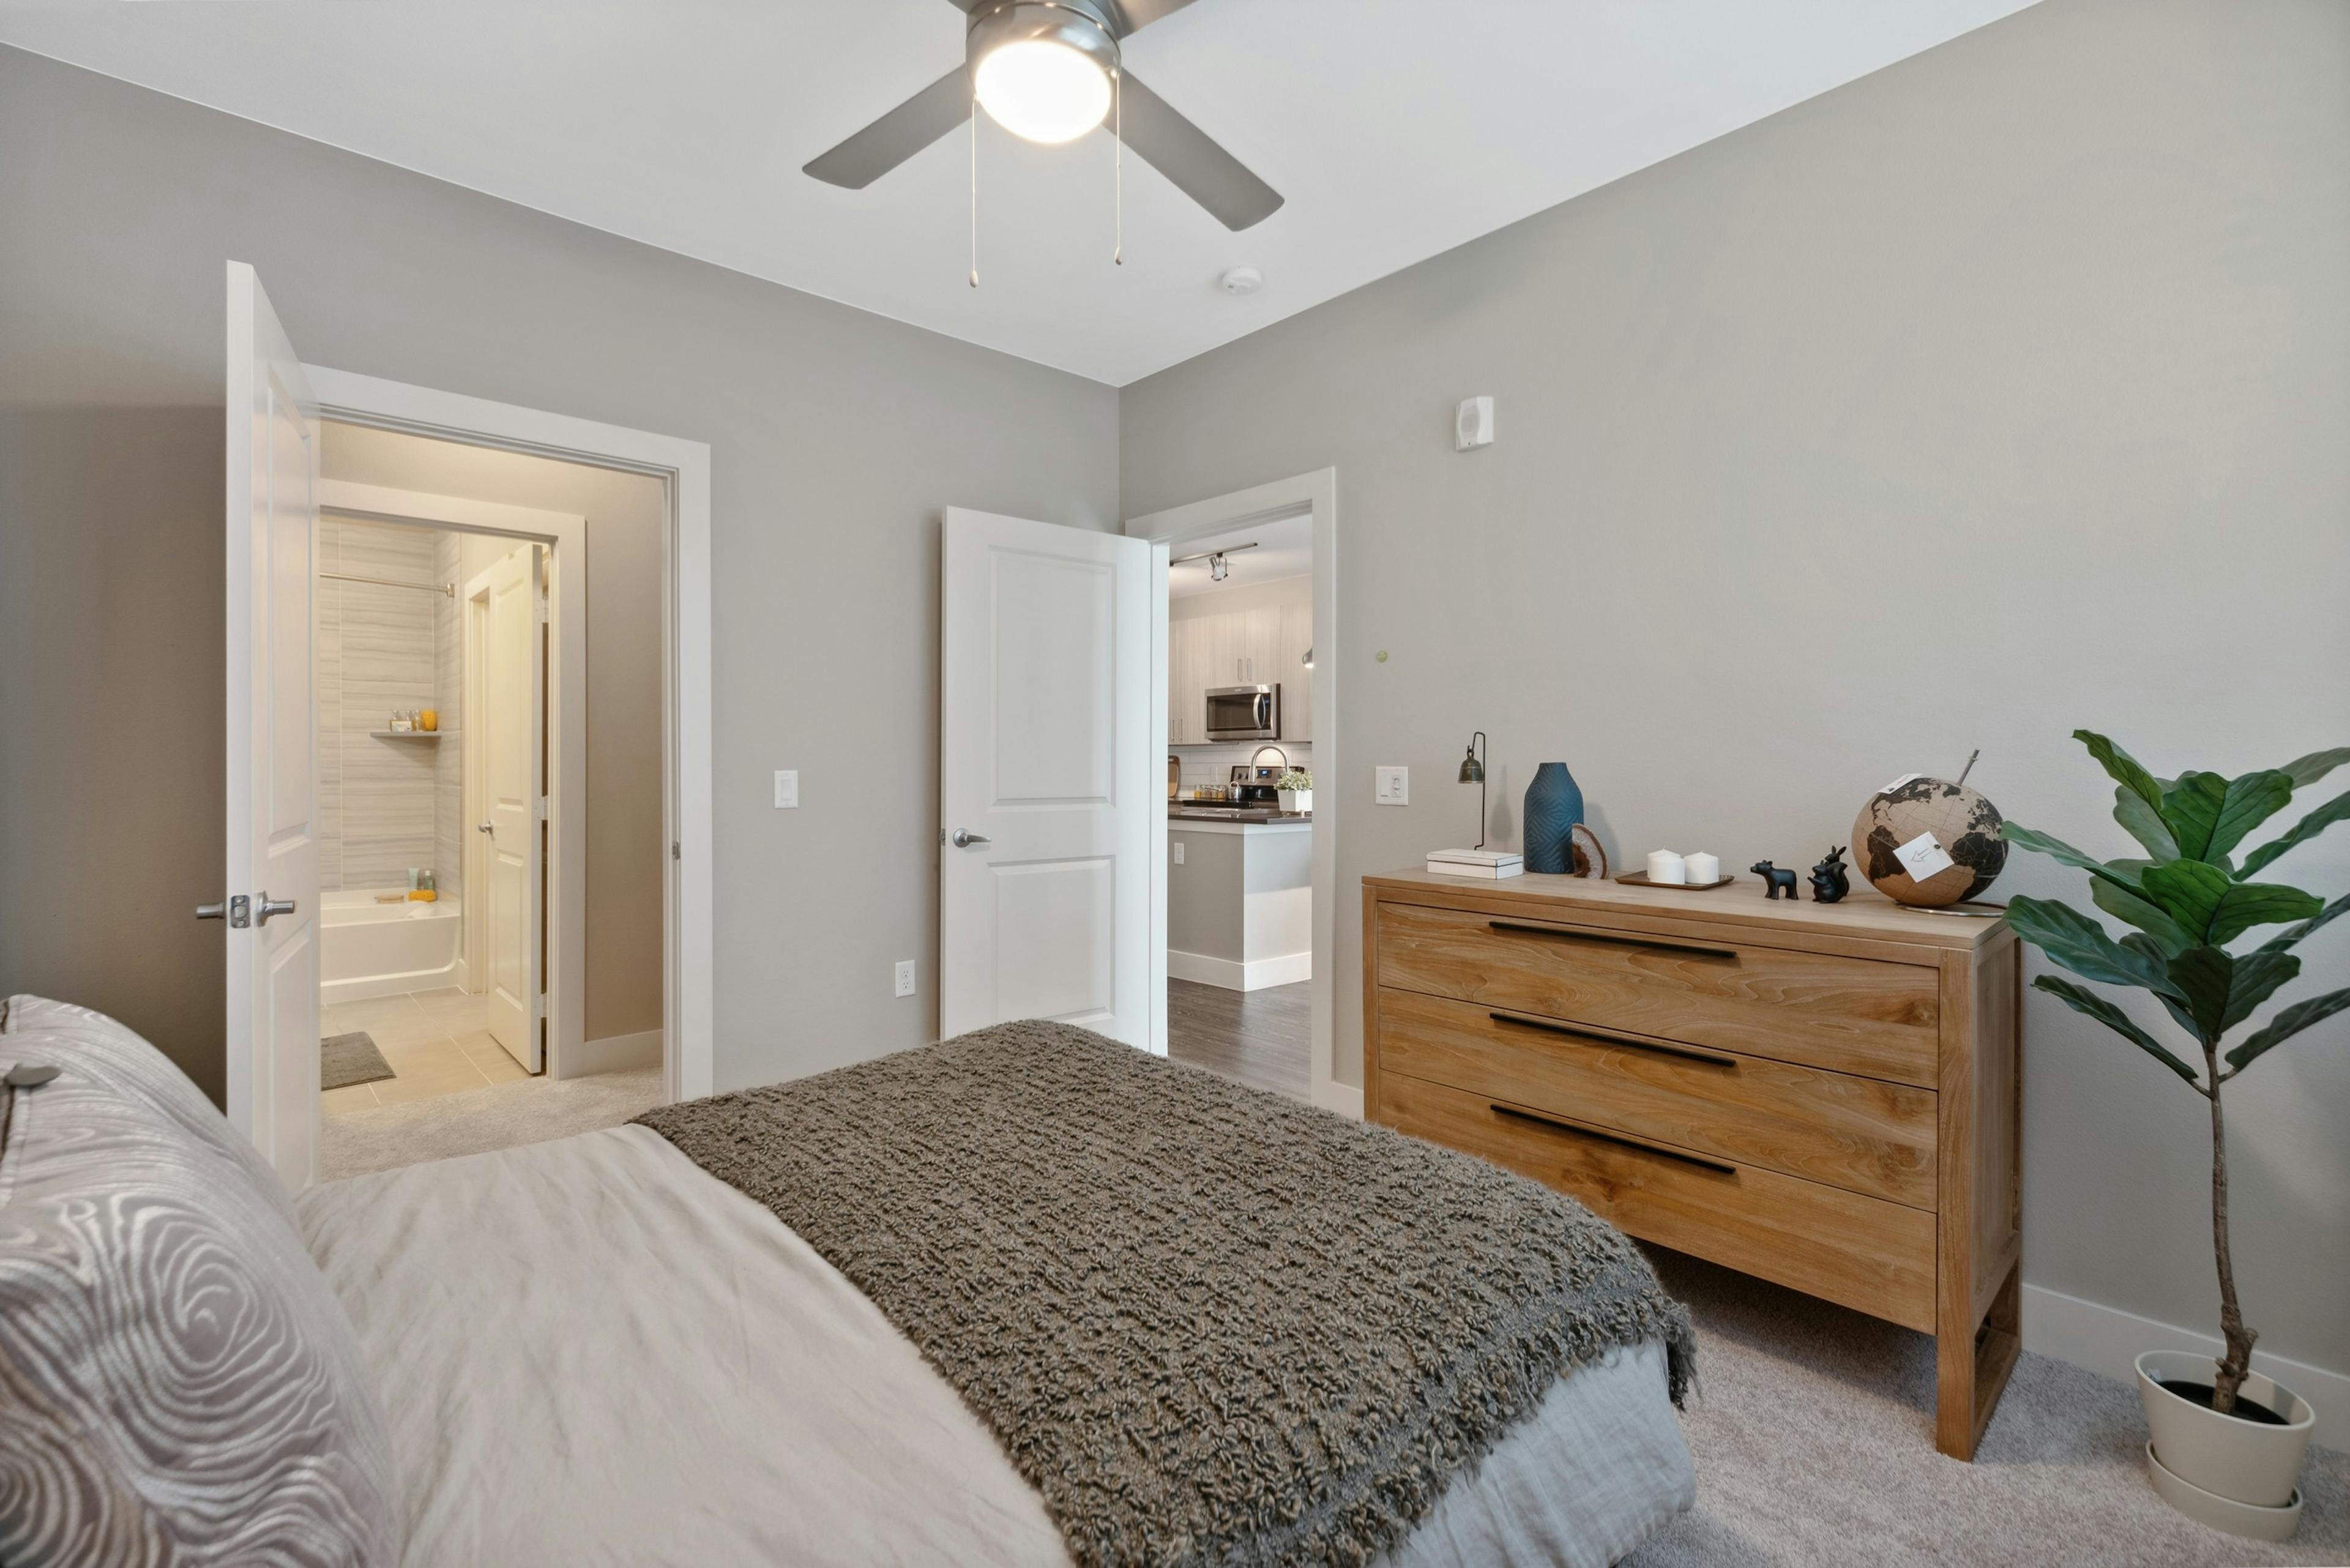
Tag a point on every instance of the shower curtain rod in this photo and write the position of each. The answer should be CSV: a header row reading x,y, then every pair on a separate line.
x,y
448,589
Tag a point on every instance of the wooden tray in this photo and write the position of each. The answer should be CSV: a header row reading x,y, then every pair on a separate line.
x,y
1640,879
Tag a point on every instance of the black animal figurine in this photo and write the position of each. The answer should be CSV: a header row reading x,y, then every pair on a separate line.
x,y
1775,877
1828,883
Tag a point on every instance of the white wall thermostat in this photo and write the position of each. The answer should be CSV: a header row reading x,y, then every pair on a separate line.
x,y
1472,423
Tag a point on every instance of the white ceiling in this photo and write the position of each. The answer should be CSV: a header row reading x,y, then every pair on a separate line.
x,y
1284,548
684,124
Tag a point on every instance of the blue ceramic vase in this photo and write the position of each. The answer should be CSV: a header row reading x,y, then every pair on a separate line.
x,y
1554,806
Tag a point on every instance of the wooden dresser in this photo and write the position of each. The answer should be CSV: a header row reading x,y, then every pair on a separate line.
x,y
1821,1095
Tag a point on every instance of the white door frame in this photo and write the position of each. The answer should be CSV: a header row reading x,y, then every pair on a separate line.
x,y
1316,493
688,1037
566,534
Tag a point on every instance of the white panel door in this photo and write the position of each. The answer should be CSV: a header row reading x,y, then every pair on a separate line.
x,y
1047,789
512,751
272,795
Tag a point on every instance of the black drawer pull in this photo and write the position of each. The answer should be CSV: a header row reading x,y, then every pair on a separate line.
x,y
1720,1166
1609,1036
1668,943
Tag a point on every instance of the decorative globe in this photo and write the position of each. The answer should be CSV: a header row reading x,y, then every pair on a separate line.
x,y
1962,822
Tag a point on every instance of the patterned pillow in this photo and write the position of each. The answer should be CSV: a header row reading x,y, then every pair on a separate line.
x,y
177,1383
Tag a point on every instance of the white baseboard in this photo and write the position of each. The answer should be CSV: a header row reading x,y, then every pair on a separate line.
x,y
2108,1341
1344,1099
1232,974
614,1054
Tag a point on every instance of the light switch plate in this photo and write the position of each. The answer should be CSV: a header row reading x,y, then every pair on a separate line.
x,y
1393,786
905,980
788,787
1175,847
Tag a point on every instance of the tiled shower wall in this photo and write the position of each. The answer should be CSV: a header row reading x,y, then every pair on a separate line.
x,y
377,651
449,686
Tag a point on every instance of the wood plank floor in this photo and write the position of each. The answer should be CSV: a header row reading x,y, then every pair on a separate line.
x,y
1260,1037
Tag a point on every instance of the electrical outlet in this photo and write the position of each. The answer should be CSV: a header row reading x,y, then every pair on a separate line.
x,y
788,787
1176,847
1393,786
905,978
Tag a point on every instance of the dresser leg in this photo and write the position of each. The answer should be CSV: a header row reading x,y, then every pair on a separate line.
x,y
1972,1362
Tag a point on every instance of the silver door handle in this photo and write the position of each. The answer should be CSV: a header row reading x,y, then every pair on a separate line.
x,y
233,910
269,907
964,839
485,827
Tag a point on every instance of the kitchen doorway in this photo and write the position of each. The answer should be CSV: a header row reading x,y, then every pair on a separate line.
x,y
1245,702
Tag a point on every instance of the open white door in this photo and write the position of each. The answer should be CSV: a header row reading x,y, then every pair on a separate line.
x,y
508,599
272,903
1045,777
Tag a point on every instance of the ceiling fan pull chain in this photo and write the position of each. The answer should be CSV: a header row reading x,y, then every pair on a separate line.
x,y
974,187
1118,135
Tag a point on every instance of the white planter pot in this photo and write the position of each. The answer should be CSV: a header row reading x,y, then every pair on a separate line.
x,y
2248,1464
1297,800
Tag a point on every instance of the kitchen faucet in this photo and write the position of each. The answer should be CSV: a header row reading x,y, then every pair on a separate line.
x,y
1276,750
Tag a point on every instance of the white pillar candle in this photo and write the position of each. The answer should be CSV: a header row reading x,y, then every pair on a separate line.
x,y
1701,868
1666,867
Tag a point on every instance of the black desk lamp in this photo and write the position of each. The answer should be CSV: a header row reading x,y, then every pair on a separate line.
x,y
1473,771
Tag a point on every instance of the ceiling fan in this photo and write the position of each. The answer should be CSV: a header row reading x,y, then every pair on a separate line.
x,y
1045,70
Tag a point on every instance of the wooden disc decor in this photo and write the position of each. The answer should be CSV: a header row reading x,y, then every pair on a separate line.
x,y
1590,859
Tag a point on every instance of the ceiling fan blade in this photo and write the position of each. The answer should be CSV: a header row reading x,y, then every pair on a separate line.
x,y
1189,157
897,135
1135,14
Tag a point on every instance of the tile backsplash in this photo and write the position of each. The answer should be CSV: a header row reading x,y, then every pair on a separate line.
x,y
1212,764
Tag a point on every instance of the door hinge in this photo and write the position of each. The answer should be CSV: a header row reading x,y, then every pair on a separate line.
x,y
542,808
675,853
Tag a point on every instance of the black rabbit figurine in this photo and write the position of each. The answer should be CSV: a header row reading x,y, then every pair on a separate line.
x,y
1828,879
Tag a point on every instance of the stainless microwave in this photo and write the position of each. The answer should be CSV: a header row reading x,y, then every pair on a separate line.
x,y
1243,712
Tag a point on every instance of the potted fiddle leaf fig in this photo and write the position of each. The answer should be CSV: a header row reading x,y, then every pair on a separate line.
x,y
2227,1441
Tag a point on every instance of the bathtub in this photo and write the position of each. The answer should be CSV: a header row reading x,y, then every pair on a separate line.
x,y
367,949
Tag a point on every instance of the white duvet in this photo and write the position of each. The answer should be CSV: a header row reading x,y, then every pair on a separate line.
x,y
590,1350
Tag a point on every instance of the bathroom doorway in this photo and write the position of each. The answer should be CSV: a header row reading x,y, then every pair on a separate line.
x,y
459,1007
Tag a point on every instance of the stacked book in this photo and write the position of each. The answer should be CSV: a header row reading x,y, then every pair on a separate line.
x,y
1491,864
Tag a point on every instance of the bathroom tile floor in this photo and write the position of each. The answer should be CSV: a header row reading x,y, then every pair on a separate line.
x,y
437,1043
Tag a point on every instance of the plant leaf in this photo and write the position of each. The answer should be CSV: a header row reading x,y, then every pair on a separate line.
x,y
2057,849
2307,829
2144,822
2287,1024
2278,944
2150,917
2307,771
2115,1018
2072,940
2208,816
2212,908
2221,990
2124,770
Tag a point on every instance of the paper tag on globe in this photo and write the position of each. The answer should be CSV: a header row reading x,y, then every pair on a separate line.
x,y
1897,784
1922,856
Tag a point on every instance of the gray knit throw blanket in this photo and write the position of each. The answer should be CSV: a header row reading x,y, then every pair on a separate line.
x,y
1208,1324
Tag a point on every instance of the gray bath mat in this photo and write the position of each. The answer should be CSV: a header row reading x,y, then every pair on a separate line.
x,y
347,1059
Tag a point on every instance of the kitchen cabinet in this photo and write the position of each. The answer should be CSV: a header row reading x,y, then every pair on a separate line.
x,y
1260,647
1296,679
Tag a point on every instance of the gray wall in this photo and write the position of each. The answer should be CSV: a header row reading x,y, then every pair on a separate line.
x,y
836,438
1997,393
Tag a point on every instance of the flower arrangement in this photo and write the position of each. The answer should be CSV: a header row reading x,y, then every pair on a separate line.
x,y
1297,779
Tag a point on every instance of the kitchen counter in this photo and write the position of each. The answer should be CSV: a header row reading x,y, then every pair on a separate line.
x,y
1240,895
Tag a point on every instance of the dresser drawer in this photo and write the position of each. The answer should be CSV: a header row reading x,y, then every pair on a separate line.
x,y
1862,1252
1849,1015
1863,1134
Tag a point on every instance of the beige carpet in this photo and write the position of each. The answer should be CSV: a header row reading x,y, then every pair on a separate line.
x,y
1814,1435
352,1143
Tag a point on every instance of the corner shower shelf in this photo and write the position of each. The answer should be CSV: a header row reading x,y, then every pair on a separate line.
x,y
409,734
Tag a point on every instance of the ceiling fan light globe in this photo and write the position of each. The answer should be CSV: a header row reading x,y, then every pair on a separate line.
x,y
1041,90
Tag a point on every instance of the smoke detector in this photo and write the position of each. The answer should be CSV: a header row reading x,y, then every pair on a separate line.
x,y
1243,280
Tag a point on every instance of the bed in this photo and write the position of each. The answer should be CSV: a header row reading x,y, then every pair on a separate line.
x,y
601,1350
